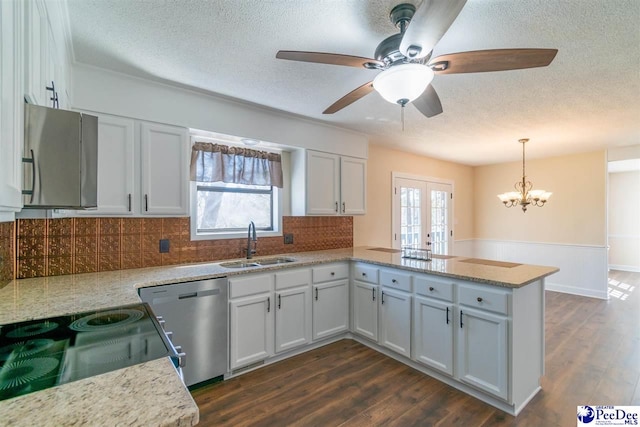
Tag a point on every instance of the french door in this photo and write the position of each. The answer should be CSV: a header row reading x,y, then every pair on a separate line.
x,y
422,215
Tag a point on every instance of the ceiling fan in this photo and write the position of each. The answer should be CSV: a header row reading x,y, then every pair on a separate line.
x,y
405,58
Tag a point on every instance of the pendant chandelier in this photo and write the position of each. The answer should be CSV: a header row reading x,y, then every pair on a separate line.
x,y
524,196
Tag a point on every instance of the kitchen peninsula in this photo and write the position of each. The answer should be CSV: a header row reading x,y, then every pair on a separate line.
x,y
152,393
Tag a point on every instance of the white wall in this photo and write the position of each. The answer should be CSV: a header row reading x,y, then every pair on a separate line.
x,y
624,221
103,91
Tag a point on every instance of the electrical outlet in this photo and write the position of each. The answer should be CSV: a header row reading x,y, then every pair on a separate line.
x,y
164,246
288,238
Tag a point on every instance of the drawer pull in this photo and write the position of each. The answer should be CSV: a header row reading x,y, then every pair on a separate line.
x,y
431,288
394,281
333,274
364,274
479,299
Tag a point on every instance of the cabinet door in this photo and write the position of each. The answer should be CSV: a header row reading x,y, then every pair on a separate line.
x,y
11,108
433,337
330,308
165,177
116,191
293,318
395,321
35,54
250,330
365,310
353,186
482,350
322,183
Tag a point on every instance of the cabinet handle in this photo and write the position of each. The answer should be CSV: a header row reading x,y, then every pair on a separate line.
x,y
336,206
333,273
431,288
461,318
31,160
364,274
316,294
344,207
382,299
268,304
146,203
479,299
279,301
447,315
374,293
129,202
394,281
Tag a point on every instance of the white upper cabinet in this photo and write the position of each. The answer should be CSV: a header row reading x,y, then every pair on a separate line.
x,y
116,166
165,169
328,184
353,186
45,63
11,108
323,190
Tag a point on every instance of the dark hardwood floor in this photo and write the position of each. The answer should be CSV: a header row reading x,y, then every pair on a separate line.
x,y
592,357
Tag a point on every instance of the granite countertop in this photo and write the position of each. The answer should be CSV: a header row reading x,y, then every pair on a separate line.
x,y
152,393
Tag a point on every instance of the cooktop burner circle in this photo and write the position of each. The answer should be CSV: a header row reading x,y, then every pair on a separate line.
x,y
33,329
25,348
106,320
22,372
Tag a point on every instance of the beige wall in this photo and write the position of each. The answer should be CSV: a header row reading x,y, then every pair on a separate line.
x,y
575,214
374,228
624,223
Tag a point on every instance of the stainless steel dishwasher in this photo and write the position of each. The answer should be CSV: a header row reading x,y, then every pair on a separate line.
x,y
196,313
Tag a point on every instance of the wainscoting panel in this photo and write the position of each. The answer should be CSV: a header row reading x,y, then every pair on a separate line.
x,y
583,269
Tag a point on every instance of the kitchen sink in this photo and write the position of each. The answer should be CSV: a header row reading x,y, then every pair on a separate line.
x,y
256,263
239,264
272,261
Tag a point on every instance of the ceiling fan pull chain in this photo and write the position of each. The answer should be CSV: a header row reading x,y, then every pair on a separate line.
x,y
402,115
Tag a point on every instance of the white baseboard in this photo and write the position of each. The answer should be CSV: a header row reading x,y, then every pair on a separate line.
x,y
583,268
631,268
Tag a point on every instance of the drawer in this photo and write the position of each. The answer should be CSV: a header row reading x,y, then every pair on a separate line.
x,y
242,286
484,298
432,287
395,279
365,273
293,278
326,273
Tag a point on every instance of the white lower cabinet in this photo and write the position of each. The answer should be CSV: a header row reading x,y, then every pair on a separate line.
x,y
365,310
482,350
330,308
330,299
251,330
395,321
433,333
293,308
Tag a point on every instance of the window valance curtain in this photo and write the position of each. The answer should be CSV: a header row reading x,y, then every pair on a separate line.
x,y
222,163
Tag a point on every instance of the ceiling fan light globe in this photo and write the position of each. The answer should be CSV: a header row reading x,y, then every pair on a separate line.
x,y
403,82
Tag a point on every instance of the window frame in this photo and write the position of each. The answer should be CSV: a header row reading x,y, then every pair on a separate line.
x,y
276,206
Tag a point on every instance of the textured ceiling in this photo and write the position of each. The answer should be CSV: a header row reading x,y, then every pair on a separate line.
x,y
587,99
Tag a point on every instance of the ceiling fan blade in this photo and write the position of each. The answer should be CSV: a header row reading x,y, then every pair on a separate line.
x,y
428,103
328,58
350,98
432,19
479,61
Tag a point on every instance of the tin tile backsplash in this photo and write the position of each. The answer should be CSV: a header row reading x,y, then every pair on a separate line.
x,y
51,247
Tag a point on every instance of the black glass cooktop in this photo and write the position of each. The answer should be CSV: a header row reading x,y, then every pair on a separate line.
x,y
43,353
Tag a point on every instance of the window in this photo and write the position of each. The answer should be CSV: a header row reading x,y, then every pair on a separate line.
x,y
232,186
227,208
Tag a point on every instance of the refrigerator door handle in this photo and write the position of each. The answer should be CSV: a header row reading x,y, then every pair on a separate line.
x,y
31,160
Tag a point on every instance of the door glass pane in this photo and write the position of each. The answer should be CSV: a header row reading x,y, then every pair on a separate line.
x,y
410,226
439,226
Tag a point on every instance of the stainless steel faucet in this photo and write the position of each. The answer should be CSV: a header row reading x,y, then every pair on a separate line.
x,y
251,235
